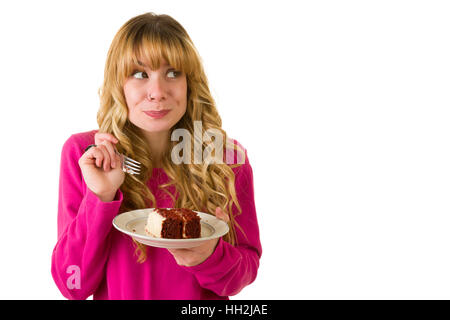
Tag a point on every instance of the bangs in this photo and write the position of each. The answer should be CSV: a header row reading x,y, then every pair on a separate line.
x,y
153,47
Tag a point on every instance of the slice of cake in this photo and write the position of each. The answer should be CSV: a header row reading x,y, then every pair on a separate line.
x,y
173,224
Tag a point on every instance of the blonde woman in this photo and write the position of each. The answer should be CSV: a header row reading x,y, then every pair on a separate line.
x,y
154,84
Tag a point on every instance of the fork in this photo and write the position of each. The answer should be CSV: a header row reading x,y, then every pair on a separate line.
x,y
129,165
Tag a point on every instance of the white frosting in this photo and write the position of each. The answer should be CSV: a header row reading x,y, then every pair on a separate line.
x,y
184,228
154,224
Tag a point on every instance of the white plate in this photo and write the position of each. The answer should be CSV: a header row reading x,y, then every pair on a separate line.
x,y
133,222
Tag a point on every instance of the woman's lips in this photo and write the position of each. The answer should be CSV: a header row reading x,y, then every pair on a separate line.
x,y
157,114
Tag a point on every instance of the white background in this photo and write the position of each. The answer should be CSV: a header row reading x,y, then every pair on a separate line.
x,y
343,107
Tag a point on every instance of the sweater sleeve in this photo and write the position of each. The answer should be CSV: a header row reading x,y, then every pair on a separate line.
x,y
230,268
84,224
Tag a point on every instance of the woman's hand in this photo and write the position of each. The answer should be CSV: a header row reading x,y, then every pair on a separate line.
x,y
194,256
101,167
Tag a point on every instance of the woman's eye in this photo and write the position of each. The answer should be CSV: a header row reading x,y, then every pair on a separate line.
x,y
174,73
143,74
140,74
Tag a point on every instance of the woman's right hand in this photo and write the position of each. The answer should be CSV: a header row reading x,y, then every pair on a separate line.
x,y
101,168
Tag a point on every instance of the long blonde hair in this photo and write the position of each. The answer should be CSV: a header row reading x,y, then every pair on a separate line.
x,y
201,187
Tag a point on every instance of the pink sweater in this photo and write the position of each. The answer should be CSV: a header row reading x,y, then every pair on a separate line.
x,y
103,259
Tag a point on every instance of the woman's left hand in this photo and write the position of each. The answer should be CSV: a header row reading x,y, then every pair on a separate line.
x,y
193,256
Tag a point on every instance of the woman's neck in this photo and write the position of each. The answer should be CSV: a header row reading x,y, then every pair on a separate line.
x,y
158,143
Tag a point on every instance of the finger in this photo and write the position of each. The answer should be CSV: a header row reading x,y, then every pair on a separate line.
x,y
96,155
106,157
102,136
111,151
176,254
177,251
106,136
222,215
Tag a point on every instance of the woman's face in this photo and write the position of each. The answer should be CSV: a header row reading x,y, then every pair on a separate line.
x,y
156,99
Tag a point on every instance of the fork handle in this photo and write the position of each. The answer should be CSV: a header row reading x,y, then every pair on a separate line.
x,y
89,146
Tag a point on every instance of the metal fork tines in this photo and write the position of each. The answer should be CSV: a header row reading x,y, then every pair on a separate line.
x,y
130,166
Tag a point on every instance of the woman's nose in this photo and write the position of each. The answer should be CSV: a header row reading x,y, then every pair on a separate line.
x,y
155,90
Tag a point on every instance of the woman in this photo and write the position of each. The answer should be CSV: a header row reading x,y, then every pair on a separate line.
x,y
154,84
